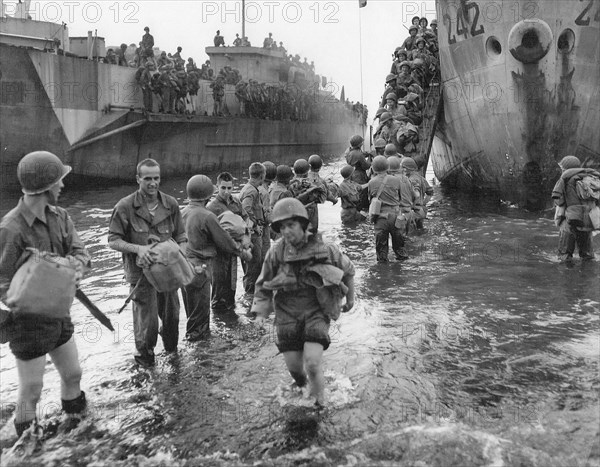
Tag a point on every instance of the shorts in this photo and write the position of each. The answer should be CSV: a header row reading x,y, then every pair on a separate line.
x,y
294,331
34,336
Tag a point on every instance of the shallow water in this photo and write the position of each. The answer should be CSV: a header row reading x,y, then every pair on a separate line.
x,y
480,350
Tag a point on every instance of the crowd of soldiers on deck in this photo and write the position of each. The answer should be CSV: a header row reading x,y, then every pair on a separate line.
x,y
173,80
279,101
414,69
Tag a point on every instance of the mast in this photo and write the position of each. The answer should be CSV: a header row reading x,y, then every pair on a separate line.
x,y
243,19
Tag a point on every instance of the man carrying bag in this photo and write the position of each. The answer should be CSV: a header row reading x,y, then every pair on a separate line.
x,y
137,219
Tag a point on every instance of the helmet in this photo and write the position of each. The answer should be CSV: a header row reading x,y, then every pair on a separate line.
x,y
270,170
405,63
394,163
390,77
357,140
420,39
413,27
315,162
392,96
414,18
390,150
569,162
409,163
347,171
380,164
403,52
379,112
418,62
301,166
199,188
39,170
426,20
434,21
288,208
284,173
380,143
385,117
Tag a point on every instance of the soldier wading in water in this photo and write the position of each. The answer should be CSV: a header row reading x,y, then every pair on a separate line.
x,y
38,223
292,283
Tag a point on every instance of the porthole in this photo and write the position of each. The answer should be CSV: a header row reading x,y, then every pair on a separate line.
x,y
566,41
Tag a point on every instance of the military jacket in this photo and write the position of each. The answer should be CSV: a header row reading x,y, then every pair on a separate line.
x,y
20,229
132,222
350,194
252,202
397,192
278,191
205,234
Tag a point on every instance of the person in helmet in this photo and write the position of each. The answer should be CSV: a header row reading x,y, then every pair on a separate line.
x,y
280,189
572,211
206,239
405,78
434,27
292,285
394,163
252,203
423,23
357,158
415,21
409,42
391,84
387,129
121,59
224,265
329,186
423,189
378,148
138,219
265,189
401,55
37,222
219,40
391,103
397,202
147,44
349,192
309,194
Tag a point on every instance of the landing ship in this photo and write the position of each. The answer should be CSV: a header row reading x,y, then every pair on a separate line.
x,y
521,89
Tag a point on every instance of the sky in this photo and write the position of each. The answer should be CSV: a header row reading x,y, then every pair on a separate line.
x,y
330,33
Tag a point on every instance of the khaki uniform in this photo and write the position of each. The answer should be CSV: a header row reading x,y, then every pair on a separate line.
x,y
397,198
132,222
252,205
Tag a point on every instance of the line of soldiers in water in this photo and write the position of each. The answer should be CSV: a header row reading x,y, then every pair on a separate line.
x,y
212,231
414,69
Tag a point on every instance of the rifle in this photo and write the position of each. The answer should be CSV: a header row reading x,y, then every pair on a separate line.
x,y
131,294
93,309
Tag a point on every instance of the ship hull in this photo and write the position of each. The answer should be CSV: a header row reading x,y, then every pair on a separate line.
x,y
186,146
89,114
520,85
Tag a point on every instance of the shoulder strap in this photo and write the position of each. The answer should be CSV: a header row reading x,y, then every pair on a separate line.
x,y
381,187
